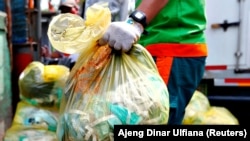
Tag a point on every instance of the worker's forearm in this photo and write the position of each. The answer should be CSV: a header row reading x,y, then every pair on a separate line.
x,y
151,7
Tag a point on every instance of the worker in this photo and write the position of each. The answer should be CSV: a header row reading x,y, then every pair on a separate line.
x,y
69,6
119,8
173,32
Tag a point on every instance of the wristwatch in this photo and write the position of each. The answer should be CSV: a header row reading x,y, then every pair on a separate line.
x,y
139,17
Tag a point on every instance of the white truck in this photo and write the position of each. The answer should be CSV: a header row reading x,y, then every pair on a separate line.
x,y
227,77
228,39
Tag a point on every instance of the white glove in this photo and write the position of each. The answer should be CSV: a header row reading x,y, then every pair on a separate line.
x,y
122,35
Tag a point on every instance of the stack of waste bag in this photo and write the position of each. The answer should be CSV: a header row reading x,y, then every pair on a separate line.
x,y
41,88
199,111
105,87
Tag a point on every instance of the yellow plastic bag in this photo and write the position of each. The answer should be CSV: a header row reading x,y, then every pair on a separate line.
x,y
200,112
106,87
43,85
198,104
69,33
23,133
218,116
31,116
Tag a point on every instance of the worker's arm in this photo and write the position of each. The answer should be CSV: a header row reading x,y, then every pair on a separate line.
x,y
122,35
151,7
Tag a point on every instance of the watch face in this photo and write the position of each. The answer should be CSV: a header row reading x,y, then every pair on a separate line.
x,y
139,15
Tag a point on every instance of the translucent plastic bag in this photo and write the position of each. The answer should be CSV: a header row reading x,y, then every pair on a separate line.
x,y
35,117
70,33
106,88
217,116
198,104
32,123
43,85
23,133
200,112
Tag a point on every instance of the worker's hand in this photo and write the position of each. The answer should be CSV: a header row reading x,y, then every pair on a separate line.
x,y
122,35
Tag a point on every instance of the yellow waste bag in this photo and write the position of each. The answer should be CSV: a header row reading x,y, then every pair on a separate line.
x,y
43,85
200,112
70,33
198,104
107,87
218,116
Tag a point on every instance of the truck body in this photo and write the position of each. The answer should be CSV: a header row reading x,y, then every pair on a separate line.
x,y
226,81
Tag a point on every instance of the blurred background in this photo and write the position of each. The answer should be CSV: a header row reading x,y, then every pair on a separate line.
x,y
23,40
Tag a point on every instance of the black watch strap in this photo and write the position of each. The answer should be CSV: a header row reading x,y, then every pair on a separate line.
x,y
139,17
